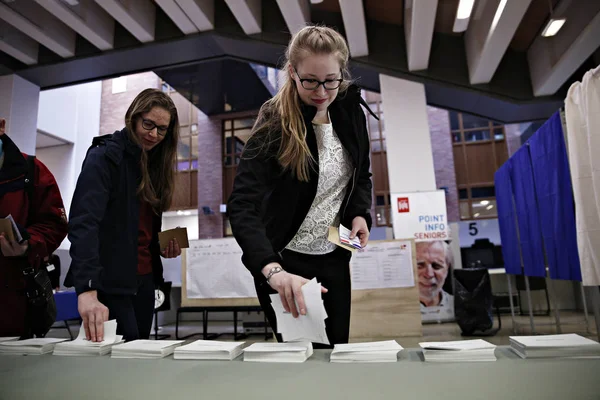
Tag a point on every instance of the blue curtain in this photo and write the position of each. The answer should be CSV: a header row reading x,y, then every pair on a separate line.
x,y
528,221
554,194
507,221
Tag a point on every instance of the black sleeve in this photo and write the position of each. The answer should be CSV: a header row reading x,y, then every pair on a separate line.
x,y
360,201
89,204
157,267
252,182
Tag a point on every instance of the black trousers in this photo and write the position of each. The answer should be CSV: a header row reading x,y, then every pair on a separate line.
x,y
333,272
134,313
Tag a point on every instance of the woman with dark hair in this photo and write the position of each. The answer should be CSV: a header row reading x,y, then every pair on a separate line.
x,y
125,185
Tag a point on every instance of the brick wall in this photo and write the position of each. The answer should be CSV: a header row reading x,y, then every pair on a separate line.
x,y
210,176
114,106
443,158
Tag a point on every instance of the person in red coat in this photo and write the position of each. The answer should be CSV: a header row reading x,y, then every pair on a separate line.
x,y
45,229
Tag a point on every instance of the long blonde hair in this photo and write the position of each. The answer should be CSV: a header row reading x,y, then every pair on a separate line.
x,y
283,112
157,165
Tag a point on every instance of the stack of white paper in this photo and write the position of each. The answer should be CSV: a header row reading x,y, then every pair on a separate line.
x,y
8,339
209,350
83,347
305,328
385,351
294,352
29,346
564,345
145,349
458,351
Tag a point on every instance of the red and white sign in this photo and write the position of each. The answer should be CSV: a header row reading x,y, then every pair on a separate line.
x,y
420,216
403,205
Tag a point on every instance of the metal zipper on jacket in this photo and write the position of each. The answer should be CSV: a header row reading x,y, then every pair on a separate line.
x,y
351,190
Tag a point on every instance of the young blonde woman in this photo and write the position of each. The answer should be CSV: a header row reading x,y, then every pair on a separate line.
x,y
125,185
304,169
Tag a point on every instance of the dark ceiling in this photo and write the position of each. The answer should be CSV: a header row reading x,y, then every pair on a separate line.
x,y
211,67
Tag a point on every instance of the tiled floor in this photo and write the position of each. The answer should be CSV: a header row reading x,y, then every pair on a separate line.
x,y
571,322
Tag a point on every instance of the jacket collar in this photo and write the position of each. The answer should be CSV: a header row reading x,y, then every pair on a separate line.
x,y
122,137
15,163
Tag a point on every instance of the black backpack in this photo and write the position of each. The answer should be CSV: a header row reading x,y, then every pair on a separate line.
x,y
41,306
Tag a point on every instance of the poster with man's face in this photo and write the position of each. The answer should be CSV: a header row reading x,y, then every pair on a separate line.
x,y
434,276
422,216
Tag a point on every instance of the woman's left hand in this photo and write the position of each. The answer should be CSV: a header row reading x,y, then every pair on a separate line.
x,y
360,229
172,250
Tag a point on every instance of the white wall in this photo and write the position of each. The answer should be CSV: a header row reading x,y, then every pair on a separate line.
x,y
172,266
183,221
19,105
57,112
59,160
71,113
410,158
479,229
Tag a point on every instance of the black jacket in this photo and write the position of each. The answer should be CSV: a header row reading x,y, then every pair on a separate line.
x,y
104,220
267,205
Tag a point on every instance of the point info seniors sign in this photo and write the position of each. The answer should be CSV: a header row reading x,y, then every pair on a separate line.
x,y
420,216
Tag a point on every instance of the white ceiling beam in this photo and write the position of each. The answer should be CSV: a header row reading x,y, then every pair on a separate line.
x,y
200,12
488,37
552,60
353,14
86,18
248,14
419,22
296,13
40,25
18,45
178,16
137,16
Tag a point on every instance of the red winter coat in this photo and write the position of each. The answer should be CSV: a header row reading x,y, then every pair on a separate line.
x,y
47,228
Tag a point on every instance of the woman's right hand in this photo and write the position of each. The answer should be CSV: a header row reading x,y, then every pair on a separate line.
x,y
289,287
94,314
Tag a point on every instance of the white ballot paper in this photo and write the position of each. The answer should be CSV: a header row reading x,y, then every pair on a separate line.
x,y
83,347
309,327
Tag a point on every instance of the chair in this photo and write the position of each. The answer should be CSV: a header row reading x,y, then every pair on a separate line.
x,y
535,283
474,302
66,309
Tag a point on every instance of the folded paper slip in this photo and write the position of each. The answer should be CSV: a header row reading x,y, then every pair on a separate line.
x,y
209,350
382,351
459,351
180,234
292,352
568,345
145,348
83,347
35,346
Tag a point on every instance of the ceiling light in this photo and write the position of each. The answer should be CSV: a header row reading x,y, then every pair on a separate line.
x,y
186,213
476,215
463,14
498,14
484,202
316,1
179,212
490,207
465,7
553,27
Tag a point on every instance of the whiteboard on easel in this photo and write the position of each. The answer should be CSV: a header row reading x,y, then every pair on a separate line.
x,y
385,264
214,270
